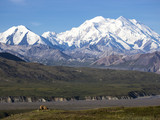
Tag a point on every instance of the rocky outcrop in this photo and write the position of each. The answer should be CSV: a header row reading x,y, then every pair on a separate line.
x,y
136,94
13,99
88,98
109,60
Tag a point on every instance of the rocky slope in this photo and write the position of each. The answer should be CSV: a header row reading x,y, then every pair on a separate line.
x,y
10,57
37,53
109,60
149,62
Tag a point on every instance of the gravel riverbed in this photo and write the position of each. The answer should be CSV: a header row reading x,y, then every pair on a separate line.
x,y
82,104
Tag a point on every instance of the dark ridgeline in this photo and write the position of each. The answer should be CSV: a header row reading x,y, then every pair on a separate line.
x,y
10,56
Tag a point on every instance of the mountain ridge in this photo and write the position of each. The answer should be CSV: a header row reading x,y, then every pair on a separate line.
x,y
148,62
10,57
119,34
84,45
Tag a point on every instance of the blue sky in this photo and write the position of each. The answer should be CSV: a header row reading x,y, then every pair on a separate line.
x,y
61,15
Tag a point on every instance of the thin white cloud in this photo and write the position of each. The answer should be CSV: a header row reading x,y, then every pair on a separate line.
x,y
18,1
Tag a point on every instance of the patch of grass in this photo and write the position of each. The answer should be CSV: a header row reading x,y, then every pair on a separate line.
x,y
115,113
67,89
6,113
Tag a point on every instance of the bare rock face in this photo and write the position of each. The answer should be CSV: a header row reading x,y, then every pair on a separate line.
x,y
109,60
149,62
60,99
29,99
37,53
9,100
152,61
18,99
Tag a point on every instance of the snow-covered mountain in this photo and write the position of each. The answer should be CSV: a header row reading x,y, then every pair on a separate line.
x,y
120,33
51,36
20,35
94,39
99,41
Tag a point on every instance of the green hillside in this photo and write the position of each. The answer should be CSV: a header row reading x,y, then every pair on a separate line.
x,y
33,79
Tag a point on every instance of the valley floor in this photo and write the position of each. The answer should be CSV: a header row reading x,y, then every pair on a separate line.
x,y
109,113
83,105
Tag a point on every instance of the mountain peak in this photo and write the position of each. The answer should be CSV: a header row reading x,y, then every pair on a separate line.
x,y
21,35
14,29
97,19
121,18
22,27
